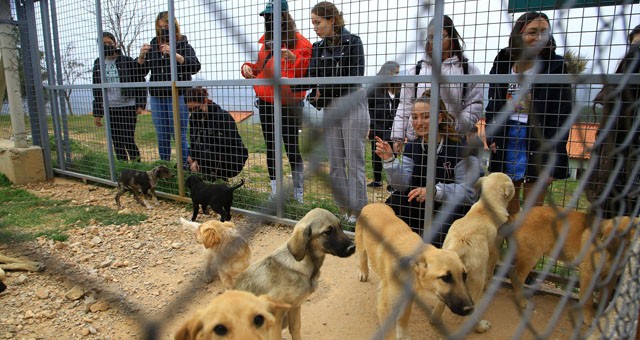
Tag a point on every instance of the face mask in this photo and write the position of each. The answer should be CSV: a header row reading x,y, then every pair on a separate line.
x,y
196,110
109,50
164,34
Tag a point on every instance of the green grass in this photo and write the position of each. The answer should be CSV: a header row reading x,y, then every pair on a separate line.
x,y
24,216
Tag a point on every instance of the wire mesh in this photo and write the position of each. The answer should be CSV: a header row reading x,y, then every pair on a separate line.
x,y
96,116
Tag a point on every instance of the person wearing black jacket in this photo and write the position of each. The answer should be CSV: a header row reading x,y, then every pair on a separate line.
x,y
155,57
524,122
346,120
383,102
124,103
217,150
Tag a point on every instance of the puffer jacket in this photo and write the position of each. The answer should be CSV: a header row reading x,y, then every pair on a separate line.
x,y
160,66
467,111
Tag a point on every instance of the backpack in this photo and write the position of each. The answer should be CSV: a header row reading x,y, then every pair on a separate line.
x,y
465,70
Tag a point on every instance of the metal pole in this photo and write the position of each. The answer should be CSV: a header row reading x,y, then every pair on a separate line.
x,y
175,96
277,106
61,98
105,97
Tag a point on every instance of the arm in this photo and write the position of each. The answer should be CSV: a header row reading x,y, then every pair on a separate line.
x,y
399,172
98,110
403,113
298,67
473,105
190,65
466,174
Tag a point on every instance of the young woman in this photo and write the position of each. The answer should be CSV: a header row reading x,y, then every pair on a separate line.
x,y
383,102
155,57
346,118
217,150
463,100
296,53
457,170
124,103
523,122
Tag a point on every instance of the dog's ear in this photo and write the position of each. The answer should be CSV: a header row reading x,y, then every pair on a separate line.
x,y
189,330
509,190
210,237
297,244
478,185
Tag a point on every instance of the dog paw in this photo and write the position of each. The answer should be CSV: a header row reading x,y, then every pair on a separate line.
x,y
363,277
483,326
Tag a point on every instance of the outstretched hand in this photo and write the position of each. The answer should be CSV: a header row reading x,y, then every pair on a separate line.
x,y
383,149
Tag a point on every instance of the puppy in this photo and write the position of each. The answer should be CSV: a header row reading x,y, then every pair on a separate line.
x,y
603,260
401,259
227,252
217,196
290,274
474,237
141,183
236,315
11,263
537,236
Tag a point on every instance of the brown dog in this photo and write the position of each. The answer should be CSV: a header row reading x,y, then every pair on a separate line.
x,y
236,315
537,236
474,238
290,274
141,184
401,259
227,252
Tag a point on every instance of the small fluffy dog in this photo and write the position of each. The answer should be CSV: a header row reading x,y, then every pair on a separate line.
x,y
236,315
141,183
290,274
217,196
474,237
227,252
401,259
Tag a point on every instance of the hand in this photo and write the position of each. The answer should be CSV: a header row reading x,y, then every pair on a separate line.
x,y
288,56
143,52
194,167
139,111
97,121
493,147
165,49
419,194
247,72
383,149
398,146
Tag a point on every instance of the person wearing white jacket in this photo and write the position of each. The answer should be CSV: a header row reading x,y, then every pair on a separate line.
x,y
463,100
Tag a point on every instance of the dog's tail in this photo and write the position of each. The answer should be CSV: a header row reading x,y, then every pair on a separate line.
x,y
233,188
192,226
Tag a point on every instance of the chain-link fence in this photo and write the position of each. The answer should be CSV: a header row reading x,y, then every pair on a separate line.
x,y
343,120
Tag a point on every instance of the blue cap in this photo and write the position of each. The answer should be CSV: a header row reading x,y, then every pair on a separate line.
x,y
269,9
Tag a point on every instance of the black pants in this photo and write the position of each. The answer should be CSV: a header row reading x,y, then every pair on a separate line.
x,y
123,127
291,117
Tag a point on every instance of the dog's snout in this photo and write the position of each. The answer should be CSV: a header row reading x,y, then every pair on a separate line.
x,y
466,310
351,249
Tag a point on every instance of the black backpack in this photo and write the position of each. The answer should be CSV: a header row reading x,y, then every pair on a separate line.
x,y
465,70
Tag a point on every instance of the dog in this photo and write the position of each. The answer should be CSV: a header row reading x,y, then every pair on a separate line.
x,y
474,238
141,184
217,196
536,236
11,263
236,315
290,274
227,252
401,259
613,237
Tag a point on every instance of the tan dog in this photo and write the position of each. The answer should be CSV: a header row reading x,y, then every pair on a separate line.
x,y
537,236
236,315
290,274
227,252
474,238
613,237
11,263
401,259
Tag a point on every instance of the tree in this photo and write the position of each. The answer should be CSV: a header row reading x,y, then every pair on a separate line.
x,y
125,19
72,70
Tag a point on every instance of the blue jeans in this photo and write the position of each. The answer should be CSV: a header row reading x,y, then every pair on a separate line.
x,y
162,116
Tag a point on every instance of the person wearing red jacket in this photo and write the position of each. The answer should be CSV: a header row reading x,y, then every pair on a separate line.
x,y
296,54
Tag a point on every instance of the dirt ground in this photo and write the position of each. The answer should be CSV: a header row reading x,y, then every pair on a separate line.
x,y
109,282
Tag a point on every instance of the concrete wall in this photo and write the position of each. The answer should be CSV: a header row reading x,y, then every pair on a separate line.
x,y
21,165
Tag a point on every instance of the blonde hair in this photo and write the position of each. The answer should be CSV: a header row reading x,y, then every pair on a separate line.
x,y
164,16
447,126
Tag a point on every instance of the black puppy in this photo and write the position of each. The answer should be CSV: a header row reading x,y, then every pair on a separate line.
x,y
217,196
141,183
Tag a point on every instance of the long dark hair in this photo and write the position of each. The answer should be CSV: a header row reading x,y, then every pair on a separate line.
x,y
198,95
289,30
447,127
457,44
327,10
516,43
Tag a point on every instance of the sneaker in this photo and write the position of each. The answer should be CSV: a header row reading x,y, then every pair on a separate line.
x,y
374,184
298,195
390,189
351,219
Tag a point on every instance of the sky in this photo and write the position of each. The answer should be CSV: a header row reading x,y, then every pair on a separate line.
x,y
225,33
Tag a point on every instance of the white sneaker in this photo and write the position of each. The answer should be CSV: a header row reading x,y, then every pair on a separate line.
x,y
351,219
298,194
